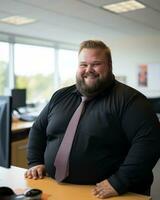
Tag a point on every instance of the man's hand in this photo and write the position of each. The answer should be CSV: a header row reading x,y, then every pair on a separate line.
x,y
35,172
104,190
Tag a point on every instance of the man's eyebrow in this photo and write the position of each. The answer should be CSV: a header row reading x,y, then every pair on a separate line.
x,y
82,62
92,61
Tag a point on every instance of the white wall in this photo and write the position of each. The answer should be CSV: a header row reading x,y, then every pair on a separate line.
x,y
129,53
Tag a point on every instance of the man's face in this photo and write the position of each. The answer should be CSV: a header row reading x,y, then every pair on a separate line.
x,y
93,71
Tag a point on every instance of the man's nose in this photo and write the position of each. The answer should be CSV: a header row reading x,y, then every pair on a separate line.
x,y
89,68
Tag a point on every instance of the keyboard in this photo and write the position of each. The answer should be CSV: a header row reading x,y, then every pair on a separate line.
x,y
27,117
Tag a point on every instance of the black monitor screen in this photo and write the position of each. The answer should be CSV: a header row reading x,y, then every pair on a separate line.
x,y
18,98
5,131
155,102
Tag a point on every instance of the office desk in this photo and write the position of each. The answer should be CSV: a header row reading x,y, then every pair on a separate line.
x,y
14,178
20,131
20,126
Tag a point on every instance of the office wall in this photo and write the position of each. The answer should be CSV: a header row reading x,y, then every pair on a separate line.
x,y
128,54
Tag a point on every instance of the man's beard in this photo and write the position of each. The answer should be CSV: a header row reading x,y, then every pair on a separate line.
x,y
98,87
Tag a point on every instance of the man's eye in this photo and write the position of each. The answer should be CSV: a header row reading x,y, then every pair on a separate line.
x,y
97,64
83,65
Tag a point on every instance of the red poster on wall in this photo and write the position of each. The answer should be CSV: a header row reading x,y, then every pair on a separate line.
x,y
143,75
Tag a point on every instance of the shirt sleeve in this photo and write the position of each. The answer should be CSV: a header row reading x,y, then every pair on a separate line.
x,y
37,139
142,129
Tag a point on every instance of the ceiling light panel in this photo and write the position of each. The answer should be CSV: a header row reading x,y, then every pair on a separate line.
x,y
17,20
124,6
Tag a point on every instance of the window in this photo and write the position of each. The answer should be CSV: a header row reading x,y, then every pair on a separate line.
x,y
34,70
67,63
4,67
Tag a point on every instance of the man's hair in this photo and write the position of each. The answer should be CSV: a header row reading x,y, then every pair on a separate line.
x,y
97,44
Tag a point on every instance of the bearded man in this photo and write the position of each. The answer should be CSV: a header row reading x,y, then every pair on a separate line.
x,y
116,142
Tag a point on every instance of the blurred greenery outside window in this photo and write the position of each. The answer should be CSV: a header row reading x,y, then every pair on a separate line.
x,y
67,64
34,70
41,70
4,67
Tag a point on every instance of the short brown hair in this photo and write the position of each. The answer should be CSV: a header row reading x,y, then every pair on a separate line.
x,y
97,44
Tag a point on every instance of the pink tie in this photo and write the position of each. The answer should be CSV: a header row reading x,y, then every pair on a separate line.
x,y
62,158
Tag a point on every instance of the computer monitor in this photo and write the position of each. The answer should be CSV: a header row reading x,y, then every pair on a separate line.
x,y
5,131
155,102
18,98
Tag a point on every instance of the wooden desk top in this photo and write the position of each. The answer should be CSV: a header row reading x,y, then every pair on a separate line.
x,y
20,125
14,178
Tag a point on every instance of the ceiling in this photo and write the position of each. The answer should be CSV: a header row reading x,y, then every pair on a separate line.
x,y
72,21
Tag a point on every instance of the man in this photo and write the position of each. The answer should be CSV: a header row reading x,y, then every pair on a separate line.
x,y
116,144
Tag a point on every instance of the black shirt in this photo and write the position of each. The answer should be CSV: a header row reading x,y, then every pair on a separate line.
x,y
118,138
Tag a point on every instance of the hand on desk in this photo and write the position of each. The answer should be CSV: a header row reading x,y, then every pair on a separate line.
x,y
104,190
35,172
